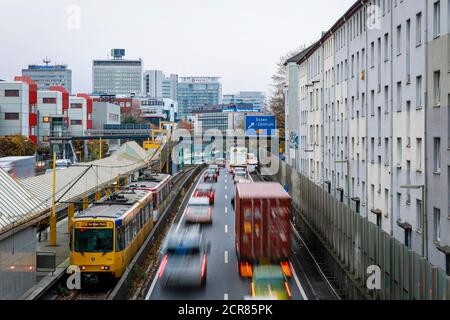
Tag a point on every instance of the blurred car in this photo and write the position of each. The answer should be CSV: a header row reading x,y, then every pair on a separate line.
x,y
184,262
211,175
270,282
239,174
199,210
221,162
205,190
214,167
243,180
63,163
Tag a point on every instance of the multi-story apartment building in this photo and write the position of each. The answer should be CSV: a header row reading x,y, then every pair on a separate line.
x,y
18,101
198,91
367,117
46,76
437,143
117,75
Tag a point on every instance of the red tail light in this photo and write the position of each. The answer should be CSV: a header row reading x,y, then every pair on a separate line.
x,y
203,266
288,290
163,266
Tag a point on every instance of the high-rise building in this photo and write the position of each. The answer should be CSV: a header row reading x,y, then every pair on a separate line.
x,y
158,86
256,98
46,76
368,119
117,75
170,87
198,91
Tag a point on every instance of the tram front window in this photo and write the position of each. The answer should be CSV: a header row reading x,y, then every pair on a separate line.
x,y
94,240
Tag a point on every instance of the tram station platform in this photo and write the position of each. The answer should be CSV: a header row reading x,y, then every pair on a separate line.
x,y
46,279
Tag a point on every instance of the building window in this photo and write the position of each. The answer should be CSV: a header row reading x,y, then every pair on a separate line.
x,y
399,96
419,217
399,152
437,155
419,28
419,91
49,100
386,47
372,54
386,99
11,116
437,19
419,154
11,93
76,105
399,39
437,88
45,119
437,224
76,122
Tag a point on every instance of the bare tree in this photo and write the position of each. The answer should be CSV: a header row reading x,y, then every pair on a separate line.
x,y
276,103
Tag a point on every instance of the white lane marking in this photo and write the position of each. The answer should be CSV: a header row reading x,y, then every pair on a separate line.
x,y
226,209
226,228
226,256
226,181
226,197
225,296
300,288
184,213
152,287
226,187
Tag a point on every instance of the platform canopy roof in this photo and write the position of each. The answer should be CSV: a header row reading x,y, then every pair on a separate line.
x,y
30,199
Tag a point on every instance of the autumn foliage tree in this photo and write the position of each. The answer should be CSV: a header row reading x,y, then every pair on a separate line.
x,y
184,124
16,146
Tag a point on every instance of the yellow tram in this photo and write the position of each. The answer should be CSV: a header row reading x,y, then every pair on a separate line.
x,y
106,236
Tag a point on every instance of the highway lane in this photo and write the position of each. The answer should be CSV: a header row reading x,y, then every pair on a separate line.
x,y
223,280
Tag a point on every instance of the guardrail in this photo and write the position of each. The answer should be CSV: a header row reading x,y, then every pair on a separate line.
x,y
121,289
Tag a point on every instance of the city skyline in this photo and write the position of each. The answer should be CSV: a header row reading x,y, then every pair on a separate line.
x,y
249,66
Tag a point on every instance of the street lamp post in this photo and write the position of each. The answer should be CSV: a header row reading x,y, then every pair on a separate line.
x,y
348,179
424,218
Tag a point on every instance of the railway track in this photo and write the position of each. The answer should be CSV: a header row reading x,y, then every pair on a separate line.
x,y
327,289
153,259
103,291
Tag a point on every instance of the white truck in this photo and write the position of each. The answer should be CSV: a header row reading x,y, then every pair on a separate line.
x,y
238,157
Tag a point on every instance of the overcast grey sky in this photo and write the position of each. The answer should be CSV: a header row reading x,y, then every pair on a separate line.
x,y
238,40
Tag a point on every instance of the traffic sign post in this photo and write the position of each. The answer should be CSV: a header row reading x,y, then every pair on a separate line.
x,y
260,125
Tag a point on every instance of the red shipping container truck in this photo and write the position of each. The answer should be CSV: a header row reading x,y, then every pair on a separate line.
x,y
263,225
